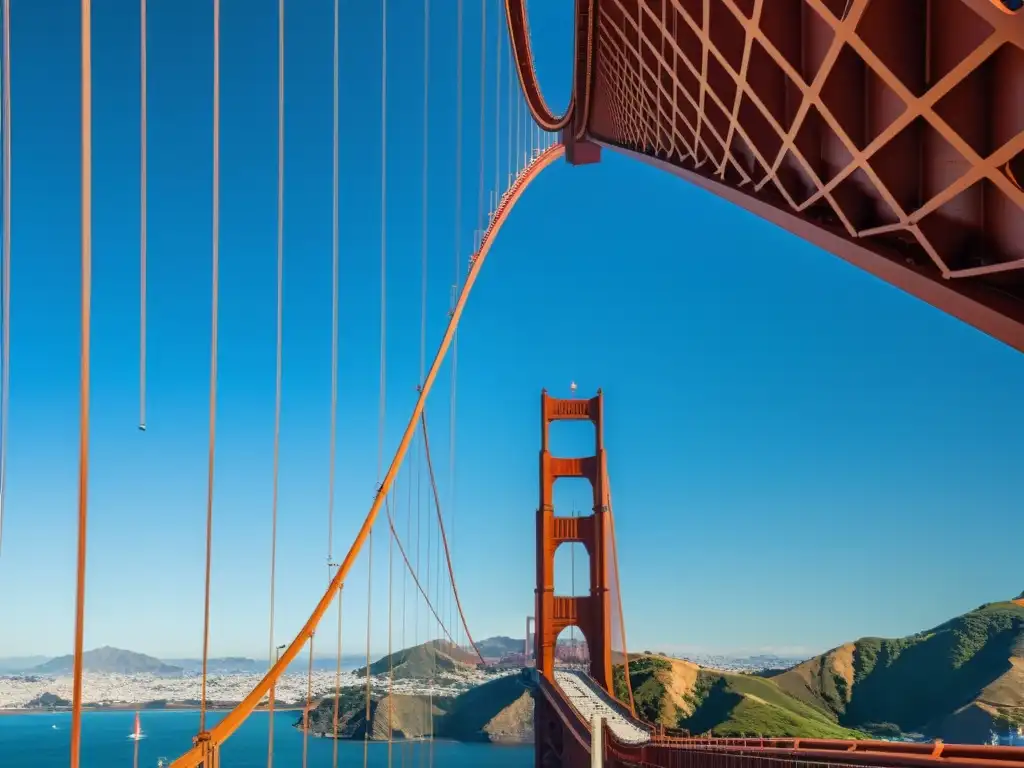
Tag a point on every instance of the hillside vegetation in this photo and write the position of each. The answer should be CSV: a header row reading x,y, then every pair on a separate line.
x,y
679,694
422,662
956,681
497,711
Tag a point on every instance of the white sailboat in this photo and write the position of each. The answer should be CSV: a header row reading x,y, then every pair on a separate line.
x,y
136,734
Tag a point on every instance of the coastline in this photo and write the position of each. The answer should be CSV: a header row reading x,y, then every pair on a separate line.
x,y
147,707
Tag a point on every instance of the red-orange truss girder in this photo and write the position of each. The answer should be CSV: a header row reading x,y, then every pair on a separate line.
x,y
574,119
591,613
888,133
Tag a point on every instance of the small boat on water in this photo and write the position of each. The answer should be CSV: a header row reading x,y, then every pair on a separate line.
x,y
136,734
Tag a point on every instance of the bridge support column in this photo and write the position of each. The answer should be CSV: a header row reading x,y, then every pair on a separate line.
x,y
591,613
596,742
579,152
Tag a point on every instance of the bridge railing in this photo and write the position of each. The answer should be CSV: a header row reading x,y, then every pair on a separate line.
x,y
781,753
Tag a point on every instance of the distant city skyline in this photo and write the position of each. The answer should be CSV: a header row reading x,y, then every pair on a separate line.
x,y
801,454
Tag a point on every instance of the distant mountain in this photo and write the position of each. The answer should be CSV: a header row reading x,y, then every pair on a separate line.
x,y
110,661
422,662
242,665
17,664
495,647
957,681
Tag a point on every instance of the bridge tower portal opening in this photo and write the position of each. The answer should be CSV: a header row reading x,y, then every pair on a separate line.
x,y
590,612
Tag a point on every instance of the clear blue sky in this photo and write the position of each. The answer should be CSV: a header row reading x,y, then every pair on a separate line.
x,y
801,455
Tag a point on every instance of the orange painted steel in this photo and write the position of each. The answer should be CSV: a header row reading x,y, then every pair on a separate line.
x,y
578,109
83,413
207,744
444,537
412,572
591,613
721,753
888,133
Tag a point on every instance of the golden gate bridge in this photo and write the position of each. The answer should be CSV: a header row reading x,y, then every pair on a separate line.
x,y
890,134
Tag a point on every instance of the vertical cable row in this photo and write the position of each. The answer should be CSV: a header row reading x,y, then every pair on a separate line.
x,y
83,434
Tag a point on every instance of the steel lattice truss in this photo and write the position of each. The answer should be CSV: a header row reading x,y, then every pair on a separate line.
x,y
898,124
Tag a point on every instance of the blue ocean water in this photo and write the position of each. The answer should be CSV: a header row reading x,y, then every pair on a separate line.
x,y
31,741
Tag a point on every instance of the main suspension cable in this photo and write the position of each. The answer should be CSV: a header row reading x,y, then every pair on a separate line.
x,y
275,471
213,352
443,537
83,433
5,277
143,194
409,567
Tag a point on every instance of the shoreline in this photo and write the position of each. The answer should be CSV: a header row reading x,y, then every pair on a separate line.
x,y
147,707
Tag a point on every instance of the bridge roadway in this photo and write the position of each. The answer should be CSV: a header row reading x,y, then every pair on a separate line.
x,y
589,699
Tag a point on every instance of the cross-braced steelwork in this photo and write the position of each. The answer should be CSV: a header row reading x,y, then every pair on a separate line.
x,y
890,133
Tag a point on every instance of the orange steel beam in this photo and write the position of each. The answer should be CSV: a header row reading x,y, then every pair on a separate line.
x,y
207,744
987,309
891,134
83,428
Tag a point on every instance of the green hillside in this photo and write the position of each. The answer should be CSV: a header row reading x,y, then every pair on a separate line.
x,y
498,711
678,694
970,668
422,662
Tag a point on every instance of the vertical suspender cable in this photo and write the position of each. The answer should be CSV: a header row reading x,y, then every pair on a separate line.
x,y
213,352
508,118
391,660
383,330
337,685
143,194
5,354
497,107
334,385
309,702
483,121
453,371
424,264
83,434
277,374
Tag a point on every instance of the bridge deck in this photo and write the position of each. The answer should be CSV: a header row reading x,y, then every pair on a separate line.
x,y
589,700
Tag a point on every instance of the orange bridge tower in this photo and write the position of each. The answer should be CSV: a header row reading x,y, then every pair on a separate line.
x,y
590,613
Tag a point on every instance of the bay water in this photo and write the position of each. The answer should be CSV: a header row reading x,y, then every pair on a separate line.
x,y
42,740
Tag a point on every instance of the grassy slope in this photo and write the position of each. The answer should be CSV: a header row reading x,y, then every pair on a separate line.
x,y
917,682
421,661
499,710
489,709
726,704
